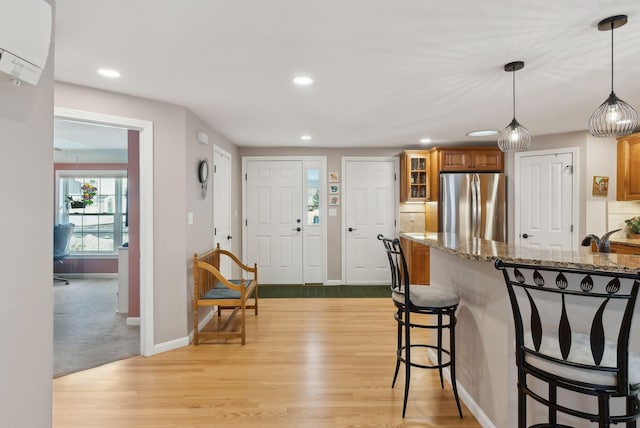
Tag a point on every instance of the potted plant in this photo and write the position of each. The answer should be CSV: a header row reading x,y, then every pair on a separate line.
x,y
88,192
634,226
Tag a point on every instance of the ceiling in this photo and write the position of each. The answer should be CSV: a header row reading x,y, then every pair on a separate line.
x,y
387,73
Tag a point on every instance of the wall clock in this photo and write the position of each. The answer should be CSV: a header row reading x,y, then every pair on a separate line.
x,y
203,177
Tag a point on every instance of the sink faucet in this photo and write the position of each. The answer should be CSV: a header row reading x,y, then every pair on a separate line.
x,y
602,243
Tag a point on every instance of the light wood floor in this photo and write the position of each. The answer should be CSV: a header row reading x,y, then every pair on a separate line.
x,y
307,363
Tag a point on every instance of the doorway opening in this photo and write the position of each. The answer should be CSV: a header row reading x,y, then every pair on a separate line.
x,y
145,179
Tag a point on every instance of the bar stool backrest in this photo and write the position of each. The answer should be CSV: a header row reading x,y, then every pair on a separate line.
x,y
398,264
579,319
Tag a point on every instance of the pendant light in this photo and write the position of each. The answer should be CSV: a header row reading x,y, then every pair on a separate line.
x,y
515,137
614,117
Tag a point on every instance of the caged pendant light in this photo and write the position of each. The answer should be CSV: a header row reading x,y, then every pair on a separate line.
x,y
614,117
515,137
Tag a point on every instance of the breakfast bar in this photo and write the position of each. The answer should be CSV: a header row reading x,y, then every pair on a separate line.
x,y
485,367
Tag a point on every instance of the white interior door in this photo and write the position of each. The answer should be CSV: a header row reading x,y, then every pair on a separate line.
x,y
370,203
544,198
222,205
274,219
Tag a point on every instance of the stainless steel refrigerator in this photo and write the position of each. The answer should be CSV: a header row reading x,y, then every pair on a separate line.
x,y
473,204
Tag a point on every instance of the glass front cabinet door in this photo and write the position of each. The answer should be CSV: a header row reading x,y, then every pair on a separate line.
x,y
414,176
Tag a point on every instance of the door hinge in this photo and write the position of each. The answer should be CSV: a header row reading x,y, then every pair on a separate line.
x,y
246,223
215,231
245,176
571,229
395,178
215,169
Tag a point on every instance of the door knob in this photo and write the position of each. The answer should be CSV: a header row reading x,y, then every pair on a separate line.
x,y
298,229
525,236
229,237
351,229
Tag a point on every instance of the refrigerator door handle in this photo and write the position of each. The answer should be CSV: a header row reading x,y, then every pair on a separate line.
x,y
474,206
478,204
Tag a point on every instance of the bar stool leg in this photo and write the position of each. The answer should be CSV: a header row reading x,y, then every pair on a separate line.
x,y
553,398
399,350
440,349
407,360
632,403
452,356
603,410
522,399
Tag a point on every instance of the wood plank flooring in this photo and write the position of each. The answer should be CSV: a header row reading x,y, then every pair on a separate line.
x,y
307,363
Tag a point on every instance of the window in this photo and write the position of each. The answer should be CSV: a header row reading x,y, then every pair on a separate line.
x,y
96,202
313,196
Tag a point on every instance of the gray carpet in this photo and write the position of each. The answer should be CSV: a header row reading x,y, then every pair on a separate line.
x,y
87,331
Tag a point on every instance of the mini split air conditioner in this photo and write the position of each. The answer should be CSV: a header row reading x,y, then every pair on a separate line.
x,y
25,35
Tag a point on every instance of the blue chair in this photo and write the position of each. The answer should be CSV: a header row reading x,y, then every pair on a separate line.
x,y
61,237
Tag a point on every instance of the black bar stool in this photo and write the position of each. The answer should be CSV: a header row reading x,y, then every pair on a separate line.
x,y
420,300
574,336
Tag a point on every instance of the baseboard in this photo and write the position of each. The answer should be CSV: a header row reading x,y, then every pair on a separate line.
x,y
466,398
170,345
133,321
333,282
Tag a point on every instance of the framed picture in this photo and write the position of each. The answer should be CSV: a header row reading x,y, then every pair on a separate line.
x,y
334,188
334,200
334,177
600,186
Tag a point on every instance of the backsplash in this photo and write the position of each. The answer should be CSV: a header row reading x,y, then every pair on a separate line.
x,y
618,212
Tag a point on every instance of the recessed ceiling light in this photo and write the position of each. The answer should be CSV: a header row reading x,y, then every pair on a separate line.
x,y
305,137
425,140
302,80
482,133
107,72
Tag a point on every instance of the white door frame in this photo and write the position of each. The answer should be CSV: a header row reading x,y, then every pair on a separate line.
x,y
217,202
343,212
145,128
575,188
323,201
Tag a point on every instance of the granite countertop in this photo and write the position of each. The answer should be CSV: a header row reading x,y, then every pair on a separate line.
x,y
485,250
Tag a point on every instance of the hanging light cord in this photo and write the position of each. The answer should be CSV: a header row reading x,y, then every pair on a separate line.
x,y
514,93
612,56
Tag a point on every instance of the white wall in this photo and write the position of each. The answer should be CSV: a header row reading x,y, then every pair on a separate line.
x,y
26,306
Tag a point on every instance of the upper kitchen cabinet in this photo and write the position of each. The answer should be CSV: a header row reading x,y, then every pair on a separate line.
x,y
628,178
471,159
414,176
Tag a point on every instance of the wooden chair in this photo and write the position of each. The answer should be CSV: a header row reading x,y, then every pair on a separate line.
x,y
572,331
211,288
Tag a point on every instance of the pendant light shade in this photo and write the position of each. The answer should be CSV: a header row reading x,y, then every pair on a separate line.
x,y
614,117
515,137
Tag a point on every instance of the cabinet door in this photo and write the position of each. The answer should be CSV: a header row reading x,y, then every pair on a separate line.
x,y
455,160
479,160
414,180
487,160
420,260
628,175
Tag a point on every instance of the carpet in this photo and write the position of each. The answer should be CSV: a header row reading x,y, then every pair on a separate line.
x,y
271,291
87,330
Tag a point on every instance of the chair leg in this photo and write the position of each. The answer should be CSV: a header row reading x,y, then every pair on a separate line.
x,y
440,349
603,411
398,349
452,356
407,360
522,399
632,405
553,398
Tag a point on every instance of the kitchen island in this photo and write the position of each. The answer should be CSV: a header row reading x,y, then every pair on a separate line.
x,y
485,367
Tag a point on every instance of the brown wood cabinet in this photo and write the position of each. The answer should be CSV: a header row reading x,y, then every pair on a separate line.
x,y
470,159
628,174
420,169
414,176
418,261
